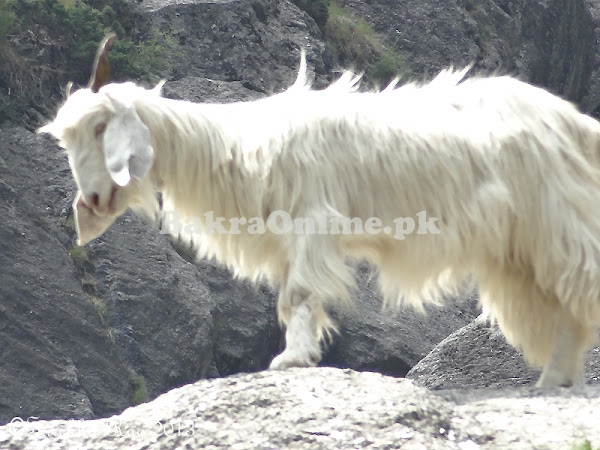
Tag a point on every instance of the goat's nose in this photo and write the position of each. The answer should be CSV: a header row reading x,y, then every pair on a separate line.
x,y
94,200
91,201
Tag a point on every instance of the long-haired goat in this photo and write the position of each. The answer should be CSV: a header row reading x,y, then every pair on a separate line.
x,y
508,174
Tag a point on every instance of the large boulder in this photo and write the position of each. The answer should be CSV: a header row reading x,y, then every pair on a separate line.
x,y
478,356
326,408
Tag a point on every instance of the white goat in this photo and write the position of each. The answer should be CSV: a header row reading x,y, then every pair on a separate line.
x,y
510,172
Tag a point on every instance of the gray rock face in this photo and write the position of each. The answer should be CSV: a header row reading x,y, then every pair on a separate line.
x,y
478,356
550,43
591,101
206,90
253,42
329,408
430,34
57,359
173,321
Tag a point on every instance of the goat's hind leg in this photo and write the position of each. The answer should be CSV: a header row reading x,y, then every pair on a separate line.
x,y
565,366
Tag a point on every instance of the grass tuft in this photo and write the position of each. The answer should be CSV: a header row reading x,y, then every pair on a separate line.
x,y
140,391
355,43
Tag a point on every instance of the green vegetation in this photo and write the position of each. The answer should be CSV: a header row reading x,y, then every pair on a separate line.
x,y
138,385
586,445
7,18
79,254
89,285
46,43
85,267
80,26
355,43
101,308
387,67
351,38
70,223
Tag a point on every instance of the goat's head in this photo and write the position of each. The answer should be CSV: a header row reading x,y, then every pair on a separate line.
x,y
109,148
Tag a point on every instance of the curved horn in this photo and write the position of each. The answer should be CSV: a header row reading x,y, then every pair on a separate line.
x,y
101,70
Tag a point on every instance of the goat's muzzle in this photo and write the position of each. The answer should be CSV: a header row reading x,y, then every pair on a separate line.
x,y
88,223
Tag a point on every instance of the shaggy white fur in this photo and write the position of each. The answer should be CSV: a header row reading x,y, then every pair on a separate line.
x,y
511,172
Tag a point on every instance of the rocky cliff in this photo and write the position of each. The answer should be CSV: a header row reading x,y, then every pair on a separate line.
x,y
87,332
549,43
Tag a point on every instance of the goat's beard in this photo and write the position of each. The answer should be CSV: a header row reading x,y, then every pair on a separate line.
x,y
89,225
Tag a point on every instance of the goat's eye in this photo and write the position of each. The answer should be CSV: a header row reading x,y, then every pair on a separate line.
x,y
99,129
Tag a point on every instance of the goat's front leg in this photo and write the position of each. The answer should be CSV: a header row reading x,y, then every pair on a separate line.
x,y
302,347
317,273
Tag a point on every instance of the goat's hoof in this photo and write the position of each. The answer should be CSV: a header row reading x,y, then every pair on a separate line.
x,y
289,359
548,382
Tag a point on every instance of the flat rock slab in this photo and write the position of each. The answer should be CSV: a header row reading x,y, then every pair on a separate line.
x,y
329,408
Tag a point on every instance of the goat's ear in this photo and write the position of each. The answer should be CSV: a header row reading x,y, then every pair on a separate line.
x,y
128,148
101,69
